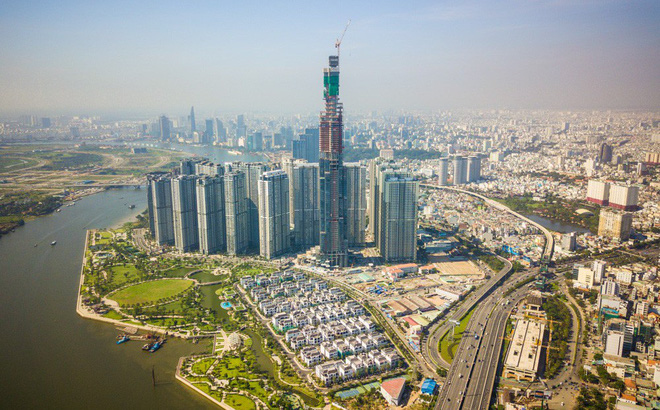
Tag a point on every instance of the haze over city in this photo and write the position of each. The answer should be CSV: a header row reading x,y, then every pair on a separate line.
x,y
330,205
149,58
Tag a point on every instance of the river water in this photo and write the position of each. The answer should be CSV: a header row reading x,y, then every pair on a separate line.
x,y
557,226
52,358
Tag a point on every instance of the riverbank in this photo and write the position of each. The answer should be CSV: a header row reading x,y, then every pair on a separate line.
x,y
87,313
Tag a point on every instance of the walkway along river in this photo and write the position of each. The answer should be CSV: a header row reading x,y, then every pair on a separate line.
x,y
51,358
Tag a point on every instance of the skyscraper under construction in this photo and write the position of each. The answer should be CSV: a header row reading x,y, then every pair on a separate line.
x,y
332,176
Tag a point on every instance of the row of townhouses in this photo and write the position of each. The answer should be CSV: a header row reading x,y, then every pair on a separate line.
x,y
297,290
309,299
341,348
311,335
318,315
376,361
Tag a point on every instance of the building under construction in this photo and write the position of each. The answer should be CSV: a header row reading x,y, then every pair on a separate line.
x,y
332,175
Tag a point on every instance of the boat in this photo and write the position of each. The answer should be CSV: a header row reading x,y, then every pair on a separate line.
x,y
147,346
123,339
59,210
131,207
35,245
157,345
53,243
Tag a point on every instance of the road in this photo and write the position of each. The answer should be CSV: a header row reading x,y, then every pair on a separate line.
x,y
430,344
471,378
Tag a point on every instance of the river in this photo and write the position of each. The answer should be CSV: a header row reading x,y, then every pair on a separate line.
x,y
52,358
557,226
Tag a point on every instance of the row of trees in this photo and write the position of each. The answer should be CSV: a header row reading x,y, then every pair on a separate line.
x,y
557,311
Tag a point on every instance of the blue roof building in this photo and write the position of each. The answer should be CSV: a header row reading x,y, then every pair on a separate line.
x,y
429,386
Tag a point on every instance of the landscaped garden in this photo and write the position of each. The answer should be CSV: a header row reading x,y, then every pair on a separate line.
x,y
151,292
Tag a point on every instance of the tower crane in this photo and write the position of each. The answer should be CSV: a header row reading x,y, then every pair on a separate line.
x,y
338,42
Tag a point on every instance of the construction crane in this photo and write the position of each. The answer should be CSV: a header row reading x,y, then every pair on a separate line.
x,y
338,42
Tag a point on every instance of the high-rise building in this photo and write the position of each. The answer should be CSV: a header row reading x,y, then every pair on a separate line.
x,y
307,145
609,287
598,192
255,142
598,267
332,186
165,131
605,153
624,197
387,153
618,338
160,188
208,168
356,204
305,194
241,129
191,118
460,170
274,229
188,166
184,211
397,240
209,135
569,242
221,131
376,166
211,214
252,171
473,169
236,213
614,224
443,172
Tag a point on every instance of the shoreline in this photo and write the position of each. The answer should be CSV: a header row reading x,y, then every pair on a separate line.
x,y
85,313
187,383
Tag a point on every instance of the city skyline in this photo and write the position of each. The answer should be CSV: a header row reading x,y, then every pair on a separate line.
x,y
76,58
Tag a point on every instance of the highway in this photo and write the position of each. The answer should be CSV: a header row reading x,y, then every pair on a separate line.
x,y
439,329
471,377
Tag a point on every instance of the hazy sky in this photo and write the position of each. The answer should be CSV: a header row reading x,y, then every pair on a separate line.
x,y
93,57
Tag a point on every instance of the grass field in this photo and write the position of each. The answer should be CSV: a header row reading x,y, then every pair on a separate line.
x,y
203,365
8,164
239,402
151,291
447,346
122,274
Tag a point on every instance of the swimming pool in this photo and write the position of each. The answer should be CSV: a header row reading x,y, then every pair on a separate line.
x,y
226,305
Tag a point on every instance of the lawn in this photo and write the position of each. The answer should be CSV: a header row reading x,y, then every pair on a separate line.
x,y
113,315
151,291
203,365
239,402
447,346
14,164
231,367
122,274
